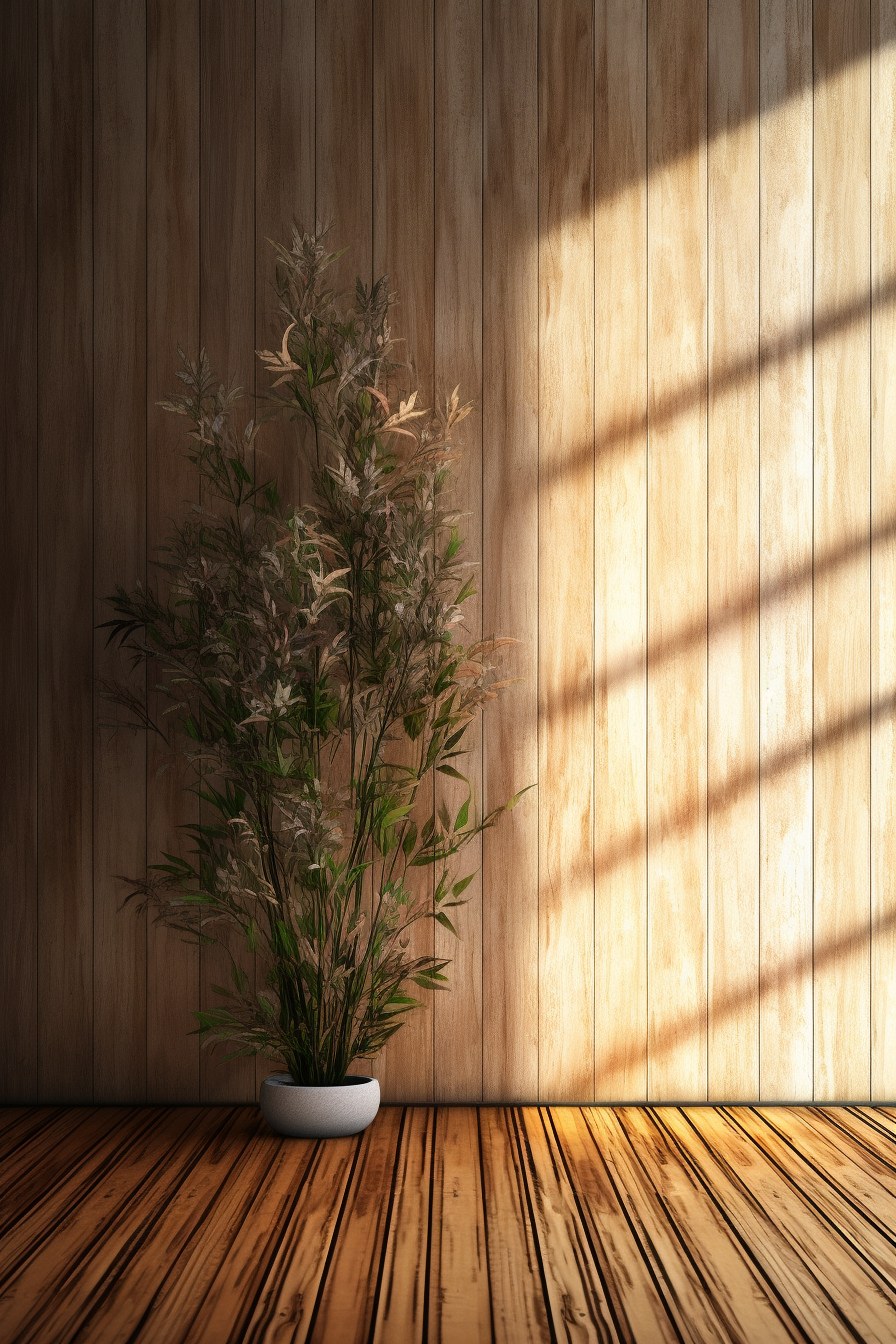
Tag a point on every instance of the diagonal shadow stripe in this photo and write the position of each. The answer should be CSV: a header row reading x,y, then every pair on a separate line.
x,y
751,599
690,812
822,956
629,431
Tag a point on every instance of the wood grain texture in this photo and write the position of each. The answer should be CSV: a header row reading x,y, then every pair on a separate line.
x,y
458,1254
883,552
785,619
344,134
630,1280
172,319
566,553
65,556
620,552
518,1307
510,543
842,516
402,1308
148,1205
742,1307
573,1287
18,551
626,1225
676,551
733,549
119,553
457,1016
286,1304
285,117
404,249
285,124
716,1161
341,1314
227,331
231,1276
600,220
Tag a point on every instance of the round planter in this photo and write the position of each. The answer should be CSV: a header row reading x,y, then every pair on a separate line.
x,y
319,1112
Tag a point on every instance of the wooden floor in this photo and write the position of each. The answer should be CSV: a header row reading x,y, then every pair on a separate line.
x,y
508,1224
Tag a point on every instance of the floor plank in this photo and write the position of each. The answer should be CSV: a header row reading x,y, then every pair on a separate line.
x,y
46,1159
500,1224
860,1299
573,1287
458,1269
750,1219
400,1313
687,1298
630,1279
346,1304
53,1278
95,1169
518,1303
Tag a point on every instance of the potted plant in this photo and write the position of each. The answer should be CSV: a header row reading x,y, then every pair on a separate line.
x,y
317,672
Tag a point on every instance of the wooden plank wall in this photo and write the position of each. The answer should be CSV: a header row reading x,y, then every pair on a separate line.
x,y
653,242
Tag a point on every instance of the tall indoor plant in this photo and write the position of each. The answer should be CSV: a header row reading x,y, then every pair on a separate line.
x,y
317,673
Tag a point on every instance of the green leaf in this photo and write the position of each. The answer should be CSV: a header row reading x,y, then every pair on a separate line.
x,y
452,773
467,591
462,885
462,816
512,802
413,724
443,919
424,859
410,838
396,815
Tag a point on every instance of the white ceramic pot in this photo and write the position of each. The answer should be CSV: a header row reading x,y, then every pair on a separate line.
x,y
319,1112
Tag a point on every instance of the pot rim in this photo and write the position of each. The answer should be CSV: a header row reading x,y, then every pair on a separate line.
x,y
285,1080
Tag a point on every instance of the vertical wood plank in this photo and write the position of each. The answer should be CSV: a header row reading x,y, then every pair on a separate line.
x,y
284,193
65,552
227,328
841,611
457,1016
566,552
620,554
403,249
18,552
785,621
345,135
510,543
344,173
119,354
733,549
677,555
883,552
172,319
285,84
